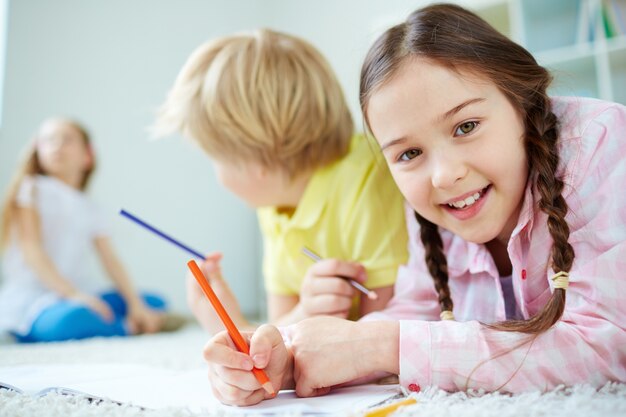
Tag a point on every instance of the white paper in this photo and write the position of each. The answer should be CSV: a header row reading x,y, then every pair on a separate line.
x,y
152,387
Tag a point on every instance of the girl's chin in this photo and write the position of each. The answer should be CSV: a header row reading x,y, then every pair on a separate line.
x,y
475,236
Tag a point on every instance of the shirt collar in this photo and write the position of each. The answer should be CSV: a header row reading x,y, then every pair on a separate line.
x,y
477,258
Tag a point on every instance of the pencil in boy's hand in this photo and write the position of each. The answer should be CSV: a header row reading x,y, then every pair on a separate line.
x,y
370,294
160,233
230,326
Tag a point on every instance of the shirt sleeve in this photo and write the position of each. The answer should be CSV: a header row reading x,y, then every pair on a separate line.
x,y
414,293
375,228
587,344
100,225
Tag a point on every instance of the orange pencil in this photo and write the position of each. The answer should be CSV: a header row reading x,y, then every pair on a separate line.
x,y
230,326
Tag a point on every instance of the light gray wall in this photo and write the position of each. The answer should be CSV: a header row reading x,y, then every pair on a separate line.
x,y
110,63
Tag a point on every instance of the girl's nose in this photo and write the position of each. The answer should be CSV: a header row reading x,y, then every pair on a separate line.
x,y
447,169
58,142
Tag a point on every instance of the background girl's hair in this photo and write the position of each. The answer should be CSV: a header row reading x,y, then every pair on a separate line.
x,y
460,40
30,165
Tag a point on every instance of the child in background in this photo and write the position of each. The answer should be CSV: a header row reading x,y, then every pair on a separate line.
x,y
516,214
48,225
268,110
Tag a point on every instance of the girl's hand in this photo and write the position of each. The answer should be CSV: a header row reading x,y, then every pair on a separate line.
x,y
94,303
325,291
230,373
142,319
328,351
200,305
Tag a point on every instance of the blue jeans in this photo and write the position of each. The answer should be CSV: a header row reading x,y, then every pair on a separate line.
x,y
68,319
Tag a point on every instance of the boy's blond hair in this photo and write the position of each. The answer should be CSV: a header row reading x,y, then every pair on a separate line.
x,y
263,97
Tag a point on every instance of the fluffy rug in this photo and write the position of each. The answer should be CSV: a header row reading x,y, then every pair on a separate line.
x,y
181,350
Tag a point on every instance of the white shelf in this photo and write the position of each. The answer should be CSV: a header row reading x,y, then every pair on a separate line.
x,y
567,37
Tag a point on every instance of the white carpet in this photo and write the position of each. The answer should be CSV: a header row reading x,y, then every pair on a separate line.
x,y
182,351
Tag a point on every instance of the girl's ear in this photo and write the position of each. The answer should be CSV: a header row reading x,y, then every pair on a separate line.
x,y
89,157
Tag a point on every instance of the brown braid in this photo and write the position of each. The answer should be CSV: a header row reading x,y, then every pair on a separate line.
x,y
436,261
543,159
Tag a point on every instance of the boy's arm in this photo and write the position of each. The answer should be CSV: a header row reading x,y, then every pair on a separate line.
x,y
368,305
201,306
283,310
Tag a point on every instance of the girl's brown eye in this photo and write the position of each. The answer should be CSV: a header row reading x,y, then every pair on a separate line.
x,y
466,128
410,154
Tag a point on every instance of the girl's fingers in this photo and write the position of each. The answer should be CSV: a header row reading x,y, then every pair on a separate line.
x,y
224,355
243,380
228,393
262,342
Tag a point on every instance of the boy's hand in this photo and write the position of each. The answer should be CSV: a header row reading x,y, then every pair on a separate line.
x,y
230,371
200,305
325,289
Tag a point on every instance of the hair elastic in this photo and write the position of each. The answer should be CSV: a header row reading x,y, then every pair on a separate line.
x,y
446,315
560,280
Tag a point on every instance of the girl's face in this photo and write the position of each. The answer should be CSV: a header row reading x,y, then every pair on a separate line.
x,y
455,147
62,151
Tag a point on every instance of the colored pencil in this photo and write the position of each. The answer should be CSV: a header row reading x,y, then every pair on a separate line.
x,y
370,294
230,326
388,409
158,232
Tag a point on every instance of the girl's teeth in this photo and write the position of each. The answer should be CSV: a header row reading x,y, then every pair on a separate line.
x,y
467,202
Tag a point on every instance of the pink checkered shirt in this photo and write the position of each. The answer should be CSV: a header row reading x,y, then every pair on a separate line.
x,y
588,345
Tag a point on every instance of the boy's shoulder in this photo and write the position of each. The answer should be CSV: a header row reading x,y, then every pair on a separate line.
x,y
363,156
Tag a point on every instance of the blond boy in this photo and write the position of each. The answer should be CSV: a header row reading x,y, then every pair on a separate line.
x,y
268,110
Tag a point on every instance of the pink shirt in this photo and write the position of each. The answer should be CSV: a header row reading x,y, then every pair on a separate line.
x,y
588,345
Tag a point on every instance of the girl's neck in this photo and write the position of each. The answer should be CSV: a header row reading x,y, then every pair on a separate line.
x,y
71,180
500,256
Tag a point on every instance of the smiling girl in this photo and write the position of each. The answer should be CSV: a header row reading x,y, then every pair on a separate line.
x,y
517,221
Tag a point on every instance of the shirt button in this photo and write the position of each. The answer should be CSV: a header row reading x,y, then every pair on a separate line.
x,y
414,388
523,274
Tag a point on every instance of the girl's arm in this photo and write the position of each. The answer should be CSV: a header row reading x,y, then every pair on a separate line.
x,y
328,352
115,270
31,244
141,319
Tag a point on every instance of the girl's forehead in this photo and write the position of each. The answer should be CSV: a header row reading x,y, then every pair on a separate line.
x,y
55,127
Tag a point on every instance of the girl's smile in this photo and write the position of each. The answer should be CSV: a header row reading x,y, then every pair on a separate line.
x,y
454,144
467,205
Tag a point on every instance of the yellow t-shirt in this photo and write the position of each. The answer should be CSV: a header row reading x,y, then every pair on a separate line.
x,y
351,210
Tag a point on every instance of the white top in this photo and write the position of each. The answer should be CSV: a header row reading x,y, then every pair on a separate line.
x,y
69,224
